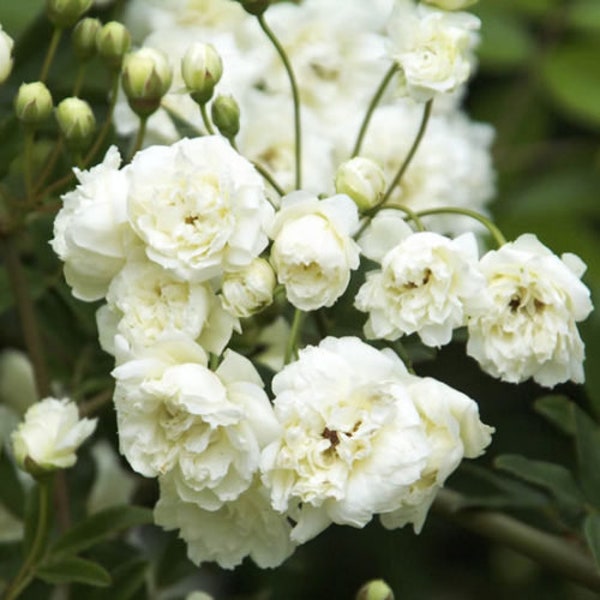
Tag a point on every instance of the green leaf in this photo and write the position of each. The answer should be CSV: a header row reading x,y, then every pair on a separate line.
x,y
585,15
95,528
588,453
591,529
12,495
572,77
558,410
127,580
74,569
555,478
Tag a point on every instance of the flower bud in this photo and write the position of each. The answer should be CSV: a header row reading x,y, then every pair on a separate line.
x,y
225,113
65,13
362,179
248,291
6,61
201,69
377,589
146,78
84,38
450,4
49,436
17,381
33,103
112,42
76,121
255,7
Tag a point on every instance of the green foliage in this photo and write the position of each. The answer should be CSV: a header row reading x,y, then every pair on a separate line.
x,y
72,569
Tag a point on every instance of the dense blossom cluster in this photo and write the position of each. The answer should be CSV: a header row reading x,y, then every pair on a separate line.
x,y
187,242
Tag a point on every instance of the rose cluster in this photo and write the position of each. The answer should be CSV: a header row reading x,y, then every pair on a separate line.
x,y
186,244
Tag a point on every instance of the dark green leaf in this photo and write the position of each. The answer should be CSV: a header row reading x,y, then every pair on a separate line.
x,y
588,453
12,495
591,529
558,410
74,569
95,528
555,478
127,580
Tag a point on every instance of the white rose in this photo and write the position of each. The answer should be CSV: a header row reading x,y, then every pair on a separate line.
x,y
527,327
246,292
199,206
352,440
91,231
206,428
6,61
247,526
146,303
50,435
432,48
313,251
425,285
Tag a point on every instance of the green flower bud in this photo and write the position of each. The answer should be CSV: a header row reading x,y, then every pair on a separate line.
x,y
76,121
225,113
113,41
201,69
255,7
146,78
362,179
377,589
33,103
65,13
84,38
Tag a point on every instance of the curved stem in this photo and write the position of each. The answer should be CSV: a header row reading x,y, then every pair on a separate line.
x,y
139,139
291,350
209,128
546,549
295,96
410,214
411,152
493,229
54,41
372,106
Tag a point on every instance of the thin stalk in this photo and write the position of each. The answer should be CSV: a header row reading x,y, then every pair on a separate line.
x,y
291,350
493,229
295,97
372,106
28,163
54,41
209,128
139,140
50,164
546,549
410,214
79,79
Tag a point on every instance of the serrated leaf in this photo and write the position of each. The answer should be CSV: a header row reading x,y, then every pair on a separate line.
x,y
591,529
12,495
73,569
555,478
558,410
587,440
95,528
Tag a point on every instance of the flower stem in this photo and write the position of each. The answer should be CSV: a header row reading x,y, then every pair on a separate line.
x,y
372,106
25,574
291,350
139,139
546,549
493,229
295,96
54,41
209,128
28,163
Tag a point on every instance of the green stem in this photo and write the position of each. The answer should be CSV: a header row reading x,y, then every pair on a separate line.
x,y
28,164
295,96
139,140
26,310
50,164
544,548
209,128
411,153
411,214
291,350
54,41
25,574
79,79
493,229
372,106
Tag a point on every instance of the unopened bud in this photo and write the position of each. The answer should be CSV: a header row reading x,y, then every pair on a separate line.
x,y
33,103
362,179
65,13
84,38
255,7
201,69
76,121
225,113
146,78
113,41
249,290
450,4
375,590
6,60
